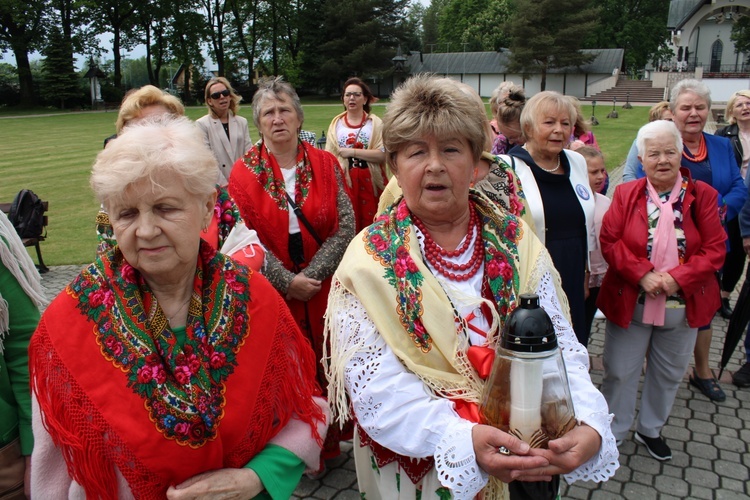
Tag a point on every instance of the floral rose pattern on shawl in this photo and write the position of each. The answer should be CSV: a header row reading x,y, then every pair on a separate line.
x,y
182,386
387,241
227,214
261,164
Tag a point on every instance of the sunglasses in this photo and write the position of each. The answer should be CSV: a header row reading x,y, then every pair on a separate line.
x,y
224,93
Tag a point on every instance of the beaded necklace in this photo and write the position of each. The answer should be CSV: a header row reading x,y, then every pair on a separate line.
x,y
364,120
436,255
700,155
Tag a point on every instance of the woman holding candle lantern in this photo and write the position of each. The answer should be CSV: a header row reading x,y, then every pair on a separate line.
x,y
663,242
415,312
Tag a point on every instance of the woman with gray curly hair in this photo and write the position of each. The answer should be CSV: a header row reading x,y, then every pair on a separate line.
x,y
293,195
162,370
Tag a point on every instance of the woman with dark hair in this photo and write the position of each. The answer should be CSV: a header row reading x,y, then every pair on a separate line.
x,y
226,133
355,137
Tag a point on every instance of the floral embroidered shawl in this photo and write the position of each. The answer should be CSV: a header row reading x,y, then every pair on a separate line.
x,y
383,267
117,390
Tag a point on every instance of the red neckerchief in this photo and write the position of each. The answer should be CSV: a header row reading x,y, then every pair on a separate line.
x,y
257,186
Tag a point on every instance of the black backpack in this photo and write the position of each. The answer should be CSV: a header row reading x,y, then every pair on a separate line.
x,y
27,214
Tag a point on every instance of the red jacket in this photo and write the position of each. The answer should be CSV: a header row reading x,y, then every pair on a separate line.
x,y
624,237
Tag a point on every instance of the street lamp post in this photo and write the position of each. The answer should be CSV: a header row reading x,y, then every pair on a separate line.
x,y
594,121
627,104
613,113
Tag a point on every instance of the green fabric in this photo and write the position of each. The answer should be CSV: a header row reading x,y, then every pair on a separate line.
x,y
279,470
15,396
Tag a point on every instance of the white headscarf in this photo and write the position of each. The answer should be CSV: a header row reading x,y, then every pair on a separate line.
x,y
15,258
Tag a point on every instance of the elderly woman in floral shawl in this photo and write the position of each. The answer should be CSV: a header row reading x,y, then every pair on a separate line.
x,y
163,369
419,299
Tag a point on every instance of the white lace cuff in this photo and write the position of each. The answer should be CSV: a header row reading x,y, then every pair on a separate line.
x,y
456,463
602,466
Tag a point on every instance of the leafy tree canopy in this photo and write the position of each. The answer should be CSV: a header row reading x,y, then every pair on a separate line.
x,y
741,35
638,26
546,34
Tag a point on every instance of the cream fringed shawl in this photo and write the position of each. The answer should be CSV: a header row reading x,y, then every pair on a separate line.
x,y
16,260
410,309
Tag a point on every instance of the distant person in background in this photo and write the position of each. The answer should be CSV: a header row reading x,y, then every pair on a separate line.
x,y
355,138
582,136
500,93
508,119
738,132
633,169
582,128
21,296
741,378
225,131
598,266
143,102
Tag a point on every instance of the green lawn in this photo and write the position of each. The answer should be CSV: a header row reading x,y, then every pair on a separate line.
x,y
52,155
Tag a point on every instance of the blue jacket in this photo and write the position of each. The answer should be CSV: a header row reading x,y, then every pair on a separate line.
x,y
745,212
725,175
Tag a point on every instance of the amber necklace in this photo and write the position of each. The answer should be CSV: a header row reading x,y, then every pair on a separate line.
x,y
700,155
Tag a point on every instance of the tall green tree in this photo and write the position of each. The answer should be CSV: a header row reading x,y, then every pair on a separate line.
x,y
117,17
60,83
215,15
23,30
473,25
360,43
185,36
247,30
638,26
547,34
741,35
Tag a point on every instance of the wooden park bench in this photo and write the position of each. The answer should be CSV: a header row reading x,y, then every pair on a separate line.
x,y
33,242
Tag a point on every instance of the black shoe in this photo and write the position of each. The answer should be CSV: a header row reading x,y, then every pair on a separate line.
x,y
708,386
741,377
725,310
656,447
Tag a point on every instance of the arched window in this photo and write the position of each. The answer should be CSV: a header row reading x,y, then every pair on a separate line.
x,y
716,49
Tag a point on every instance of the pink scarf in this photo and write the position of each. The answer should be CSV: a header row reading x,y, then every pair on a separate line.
x,y
664,255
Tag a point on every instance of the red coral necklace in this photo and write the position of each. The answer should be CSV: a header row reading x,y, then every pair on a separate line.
x,y
436,255
700,155
364,120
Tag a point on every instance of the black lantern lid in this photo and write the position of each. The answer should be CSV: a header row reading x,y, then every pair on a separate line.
x,y
529,329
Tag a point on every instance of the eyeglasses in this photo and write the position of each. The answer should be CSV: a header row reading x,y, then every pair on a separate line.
x,y
224,93
353,94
